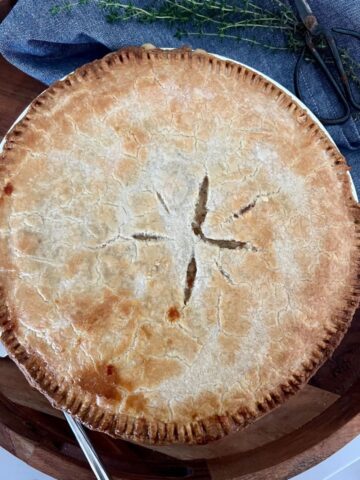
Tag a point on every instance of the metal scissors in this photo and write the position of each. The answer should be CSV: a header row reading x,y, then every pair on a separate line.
x,y
340,83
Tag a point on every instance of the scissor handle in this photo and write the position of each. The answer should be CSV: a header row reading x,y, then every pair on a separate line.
x,y
311,47
339,64
345,31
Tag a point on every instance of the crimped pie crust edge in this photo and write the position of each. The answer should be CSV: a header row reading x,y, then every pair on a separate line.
x,y
81,404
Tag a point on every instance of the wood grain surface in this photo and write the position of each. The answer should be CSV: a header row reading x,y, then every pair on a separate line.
x,y
297,463
15,387
5,7
17,90
31,429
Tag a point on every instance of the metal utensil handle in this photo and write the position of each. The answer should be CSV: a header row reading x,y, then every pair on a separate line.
x,y
86,446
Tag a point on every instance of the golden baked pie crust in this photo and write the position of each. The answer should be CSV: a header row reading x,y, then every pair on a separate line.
x,y
79,400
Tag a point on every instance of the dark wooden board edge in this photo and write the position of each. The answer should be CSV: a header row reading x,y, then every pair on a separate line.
x,y
309,458
342,415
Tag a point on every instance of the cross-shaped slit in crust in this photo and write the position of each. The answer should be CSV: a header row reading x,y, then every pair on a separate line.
x,y
146,237
245,209
199,219
162,201
190,279
254,202
200,207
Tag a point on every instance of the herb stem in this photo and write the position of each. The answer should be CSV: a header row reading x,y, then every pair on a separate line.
x,y
196,14
234,37
107,4
244,24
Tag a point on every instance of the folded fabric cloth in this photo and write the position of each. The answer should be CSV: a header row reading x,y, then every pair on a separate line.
x,y
49,46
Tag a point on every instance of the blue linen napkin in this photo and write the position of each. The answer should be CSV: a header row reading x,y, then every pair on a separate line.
x,y
48,47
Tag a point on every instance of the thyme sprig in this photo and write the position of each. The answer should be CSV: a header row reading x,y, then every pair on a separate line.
x,y
224,19
209,18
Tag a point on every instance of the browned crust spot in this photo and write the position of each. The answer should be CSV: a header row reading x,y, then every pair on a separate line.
x,y
82,404
8,189
173,314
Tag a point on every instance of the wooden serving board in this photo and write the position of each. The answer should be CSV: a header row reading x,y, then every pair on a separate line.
x,y
301,433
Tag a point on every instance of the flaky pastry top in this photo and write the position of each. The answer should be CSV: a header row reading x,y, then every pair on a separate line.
x,y
178,245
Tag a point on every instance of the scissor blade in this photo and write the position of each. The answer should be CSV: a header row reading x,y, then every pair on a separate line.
x,y
303,9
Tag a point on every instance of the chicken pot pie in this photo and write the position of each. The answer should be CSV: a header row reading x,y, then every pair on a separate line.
x,y
179,246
